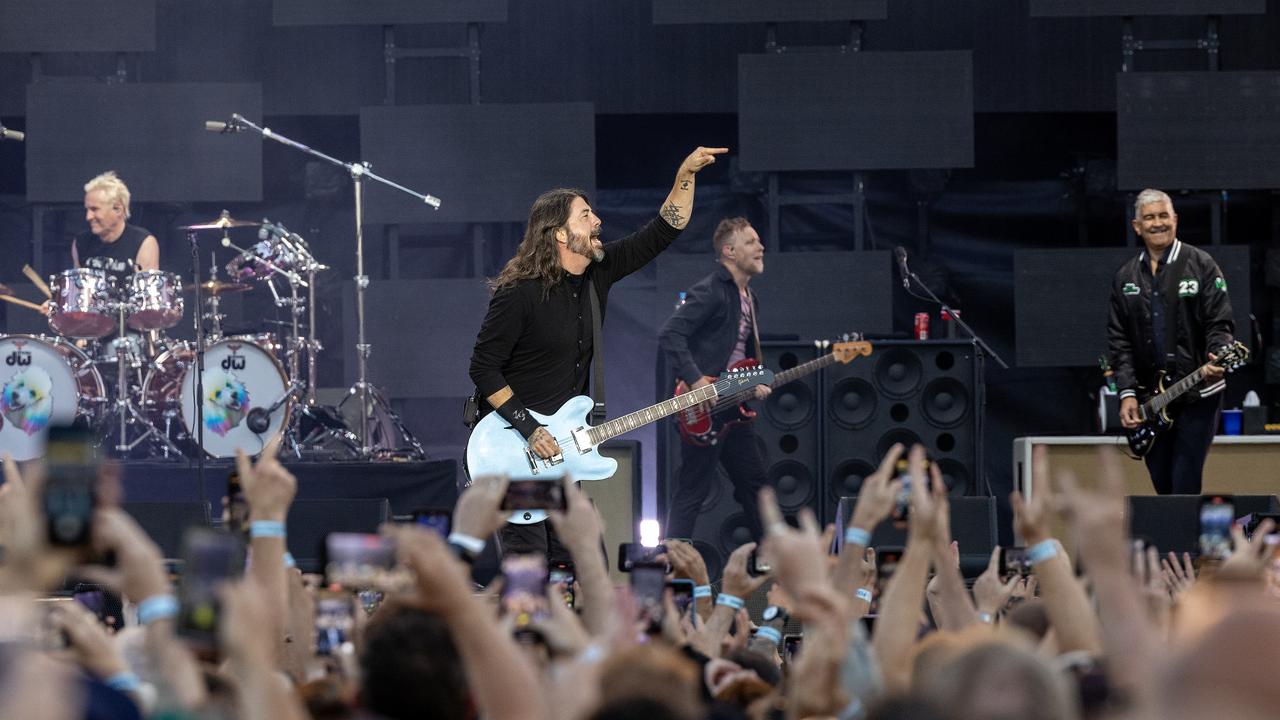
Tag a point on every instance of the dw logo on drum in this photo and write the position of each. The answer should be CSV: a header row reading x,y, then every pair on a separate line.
x,y
234,361
18,357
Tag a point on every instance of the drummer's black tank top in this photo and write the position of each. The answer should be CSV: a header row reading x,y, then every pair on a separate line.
x,y
116,258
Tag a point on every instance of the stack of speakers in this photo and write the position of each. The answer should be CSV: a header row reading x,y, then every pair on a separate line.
x,y
822,434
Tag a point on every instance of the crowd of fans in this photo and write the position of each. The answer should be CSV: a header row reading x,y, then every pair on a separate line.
x,y
1108,630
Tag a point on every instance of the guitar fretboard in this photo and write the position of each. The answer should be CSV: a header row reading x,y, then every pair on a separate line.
x,y
1171,393
617,426
803,369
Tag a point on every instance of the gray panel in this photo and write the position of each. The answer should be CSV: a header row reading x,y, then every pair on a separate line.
x,y
386,12
422,332
1198,130
866,110
1062,299
815,295
77,26
1117,8
151,134
682,12
487,163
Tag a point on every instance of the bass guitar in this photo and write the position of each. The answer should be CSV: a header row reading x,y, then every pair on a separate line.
x,y
1155,408
701,427
496,448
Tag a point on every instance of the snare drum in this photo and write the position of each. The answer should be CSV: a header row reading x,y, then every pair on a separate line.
x,y
155,300
43,381
239,377
81,303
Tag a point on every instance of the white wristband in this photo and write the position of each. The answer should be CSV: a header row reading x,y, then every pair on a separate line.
x,y
471,544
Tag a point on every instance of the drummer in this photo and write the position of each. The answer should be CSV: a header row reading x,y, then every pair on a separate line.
x,y
111,244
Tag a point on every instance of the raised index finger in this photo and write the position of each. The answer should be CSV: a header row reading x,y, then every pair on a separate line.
x,y
770,514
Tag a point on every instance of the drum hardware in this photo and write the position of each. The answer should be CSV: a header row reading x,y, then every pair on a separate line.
x,y
126,412
369,398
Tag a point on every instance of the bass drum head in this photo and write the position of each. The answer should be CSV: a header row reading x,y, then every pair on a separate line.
x,y
238,377
38,388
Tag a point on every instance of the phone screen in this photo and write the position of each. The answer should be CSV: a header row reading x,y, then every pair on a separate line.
x,y
438,519
632,554
106,606
887,562
756,565
681,595
1217,512
1014,560
524,590
209,559
335,619
68,498
534,495
901,512
790,646
563,574
360,560
648,582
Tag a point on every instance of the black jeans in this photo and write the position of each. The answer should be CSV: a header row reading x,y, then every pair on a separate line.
x,y
537,539
1176,459
740,455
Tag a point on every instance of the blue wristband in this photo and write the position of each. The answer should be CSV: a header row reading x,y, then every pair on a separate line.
x,y
728,600
1041,551
266,529
157,607
857,536
289,562
864,595
769,633
702,591
124,682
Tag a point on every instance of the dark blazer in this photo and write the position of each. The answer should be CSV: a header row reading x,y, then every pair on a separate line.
x,y
699,337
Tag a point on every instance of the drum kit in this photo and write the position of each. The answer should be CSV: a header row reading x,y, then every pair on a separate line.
x,y
111,365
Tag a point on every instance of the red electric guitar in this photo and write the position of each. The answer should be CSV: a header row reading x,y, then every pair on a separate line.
x,y
701,427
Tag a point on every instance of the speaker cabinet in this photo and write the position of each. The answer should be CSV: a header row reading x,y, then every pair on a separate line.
x,y
1172,522
618,499
309,521
167,522
929,392
973,527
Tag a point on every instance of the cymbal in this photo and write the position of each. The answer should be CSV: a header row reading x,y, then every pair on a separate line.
x,y
217,287
224,221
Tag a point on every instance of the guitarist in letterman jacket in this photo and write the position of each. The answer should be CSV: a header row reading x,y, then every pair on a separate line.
x,y
534,348
1169,312
714,328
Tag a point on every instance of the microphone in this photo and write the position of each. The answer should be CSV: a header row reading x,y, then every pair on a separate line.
x,y
258,421
901,253
223,127
16,136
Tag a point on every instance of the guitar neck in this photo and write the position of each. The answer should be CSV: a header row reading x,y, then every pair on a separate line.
x,y
1173,392
803,369
617,426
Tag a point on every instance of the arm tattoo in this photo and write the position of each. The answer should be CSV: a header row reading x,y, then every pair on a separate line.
x,y
671,213
684,184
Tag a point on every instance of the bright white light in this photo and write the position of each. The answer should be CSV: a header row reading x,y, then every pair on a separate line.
x,y
649,533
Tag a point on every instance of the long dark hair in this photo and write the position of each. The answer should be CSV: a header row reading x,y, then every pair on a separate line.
x,y
537,257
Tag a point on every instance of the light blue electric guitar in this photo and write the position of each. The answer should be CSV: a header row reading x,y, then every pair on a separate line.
x,y
496,448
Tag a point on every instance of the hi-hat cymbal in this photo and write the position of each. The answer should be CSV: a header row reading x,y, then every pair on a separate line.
x,y
224,221
217,287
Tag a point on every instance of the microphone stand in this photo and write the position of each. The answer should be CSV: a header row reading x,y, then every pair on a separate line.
x,y
982,344
358,172
199,386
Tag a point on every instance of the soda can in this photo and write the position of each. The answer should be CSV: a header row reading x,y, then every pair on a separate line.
x,y
922,326
949,322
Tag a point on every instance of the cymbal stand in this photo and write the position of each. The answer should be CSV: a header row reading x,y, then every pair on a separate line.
x,y
126,412
358,172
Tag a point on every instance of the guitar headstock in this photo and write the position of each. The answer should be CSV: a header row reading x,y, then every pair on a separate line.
x,y
848,347
742,378
1232,357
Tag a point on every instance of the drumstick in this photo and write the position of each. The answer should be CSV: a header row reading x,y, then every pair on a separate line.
x,y
34,277
23,303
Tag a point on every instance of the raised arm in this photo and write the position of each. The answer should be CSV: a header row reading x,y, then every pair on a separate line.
x,y
678,207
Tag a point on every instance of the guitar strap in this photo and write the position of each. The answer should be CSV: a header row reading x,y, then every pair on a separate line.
x,y
755,332
1173,275
597,362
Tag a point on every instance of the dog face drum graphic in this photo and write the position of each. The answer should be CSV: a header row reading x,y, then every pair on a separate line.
x,y
239,378
42,382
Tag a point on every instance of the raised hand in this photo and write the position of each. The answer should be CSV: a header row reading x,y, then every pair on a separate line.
x,y
878,493
990,592
1179,577
798,556
698,159
268,487
477,513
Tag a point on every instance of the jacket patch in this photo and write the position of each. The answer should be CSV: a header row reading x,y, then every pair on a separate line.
x,y
1188,288
1131,289
1220,283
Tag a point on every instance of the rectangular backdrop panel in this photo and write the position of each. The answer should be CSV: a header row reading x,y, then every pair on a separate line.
x,y
31,26
855,111
486,163
386,12
151,134
1062,300
422,332
1137,8
1198,130
813,295
682,12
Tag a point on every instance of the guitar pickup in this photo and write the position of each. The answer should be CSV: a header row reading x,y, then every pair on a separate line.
x,y
535,462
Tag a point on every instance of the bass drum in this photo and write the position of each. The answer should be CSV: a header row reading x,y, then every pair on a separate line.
x,y
239,378
43,381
